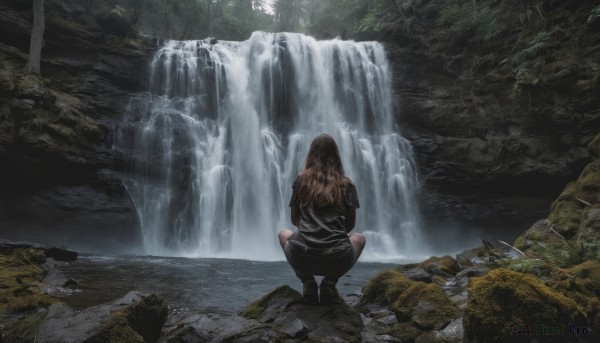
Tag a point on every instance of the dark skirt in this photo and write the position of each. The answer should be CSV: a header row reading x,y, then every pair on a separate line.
x,y
307,261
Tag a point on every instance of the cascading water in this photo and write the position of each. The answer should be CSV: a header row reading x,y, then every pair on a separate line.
x,y
217,142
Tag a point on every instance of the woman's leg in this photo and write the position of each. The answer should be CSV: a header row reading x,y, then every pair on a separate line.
x,y
283,237
358,242
329,293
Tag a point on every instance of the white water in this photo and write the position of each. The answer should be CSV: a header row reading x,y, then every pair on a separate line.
x,y
225,128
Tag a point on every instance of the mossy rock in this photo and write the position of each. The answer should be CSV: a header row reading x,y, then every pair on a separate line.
x,y
385,287
537,267
280,297
446,264
582,284
590,179
589,236
114,21
21,277
504,297
117,330
594,147
576,199
541,243
424,304
141,322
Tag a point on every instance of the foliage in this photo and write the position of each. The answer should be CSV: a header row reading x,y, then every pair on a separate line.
x,y
331,18
482,18
594,15
537,44
380,16
118,10
196,19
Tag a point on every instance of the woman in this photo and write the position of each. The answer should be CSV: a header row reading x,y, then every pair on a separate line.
x,y
323,207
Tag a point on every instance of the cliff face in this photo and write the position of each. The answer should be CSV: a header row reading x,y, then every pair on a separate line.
x,y
57,171
500,101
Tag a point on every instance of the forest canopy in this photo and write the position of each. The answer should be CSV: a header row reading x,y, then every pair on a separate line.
x,y
237,19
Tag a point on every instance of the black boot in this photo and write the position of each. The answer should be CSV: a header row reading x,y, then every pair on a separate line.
x,y
310,291
330,294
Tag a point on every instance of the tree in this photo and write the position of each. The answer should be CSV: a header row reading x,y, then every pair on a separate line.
x,y
37,38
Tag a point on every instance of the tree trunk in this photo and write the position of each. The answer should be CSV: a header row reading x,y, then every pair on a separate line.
x,y
37,38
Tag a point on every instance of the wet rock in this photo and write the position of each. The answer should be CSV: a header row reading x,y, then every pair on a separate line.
x,y
473,271
134,318
471,257
295,328
283,308
418,274
56,278
60,254
55,253
215,327
453,332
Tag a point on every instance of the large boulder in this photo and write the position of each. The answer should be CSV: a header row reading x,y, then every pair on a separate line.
x,y
133,318
284,309
217,327
503,303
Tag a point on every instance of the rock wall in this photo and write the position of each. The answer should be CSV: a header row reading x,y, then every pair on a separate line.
x,y
499,100
57,171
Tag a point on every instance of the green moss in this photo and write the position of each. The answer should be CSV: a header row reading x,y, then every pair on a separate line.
x,y
20,281
582,284
445,263
404,296
430,293
590,177
257,308
503,297
537,267
520,243
141,322
117,330
594,146
565,213
385,286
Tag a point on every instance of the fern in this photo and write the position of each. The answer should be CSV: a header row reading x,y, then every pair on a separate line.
x,y
539,43
594,15
118,10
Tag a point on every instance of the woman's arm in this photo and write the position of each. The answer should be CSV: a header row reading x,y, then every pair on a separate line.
x,y
350,218
295,215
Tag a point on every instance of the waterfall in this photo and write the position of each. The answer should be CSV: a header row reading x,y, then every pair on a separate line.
x,y
216,142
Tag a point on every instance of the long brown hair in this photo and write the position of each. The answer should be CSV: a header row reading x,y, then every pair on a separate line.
x,y
322,181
